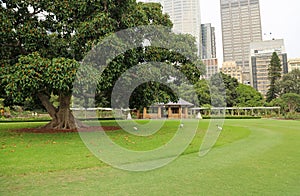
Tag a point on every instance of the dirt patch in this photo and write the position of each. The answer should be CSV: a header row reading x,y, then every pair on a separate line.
x,y
86,129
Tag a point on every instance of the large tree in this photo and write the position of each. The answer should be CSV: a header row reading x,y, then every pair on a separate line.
x,y
292,100
290,82
247,96
229,86
218,91
274,74
289,102
203,92
43,41
35,75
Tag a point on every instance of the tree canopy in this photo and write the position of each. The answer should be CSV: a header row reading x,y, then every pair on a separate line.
x,y
290,82
156,88
292,100
237,94
230,85
42,43
247,96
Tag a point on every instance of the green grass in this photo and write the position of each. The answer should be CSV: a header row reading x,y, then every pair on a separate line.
x,y
23,153
250,157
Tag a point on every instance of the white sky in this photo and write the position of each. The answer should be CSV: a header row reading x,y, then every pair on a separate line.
x,y
281,18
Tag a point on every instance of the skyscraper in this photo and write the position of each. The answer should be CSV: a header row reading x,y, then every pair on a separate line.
x,y
185,15
208,49
241,24
208,41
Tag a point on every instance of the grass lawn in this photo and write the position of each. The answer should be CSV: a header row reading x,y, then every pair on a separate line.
x,y
250,157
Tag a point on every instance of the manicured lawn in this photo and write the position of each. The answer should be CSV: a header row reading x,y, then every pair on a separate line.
x,y
250,157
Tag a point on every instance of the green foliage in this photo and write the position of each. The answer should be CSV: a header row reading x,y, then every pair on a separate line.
x,y
278,102
289,90
1,102
48,30
292,116
203,92
274,74
236,94
227,84
189,93
247,96
292,100
230,84
180,54
61,28
232,117
34,74
290,82
289,103
67,29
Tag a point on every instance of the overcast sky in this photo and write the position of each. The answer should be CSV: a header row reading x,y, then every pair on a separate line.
x,y
281,18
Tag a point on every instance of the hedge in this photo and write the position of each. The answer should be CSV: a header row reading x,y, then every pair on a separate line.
x,y
231,117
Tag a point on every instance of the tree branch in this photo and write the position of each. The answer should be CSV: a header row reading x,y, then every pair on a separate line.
x,y
47,104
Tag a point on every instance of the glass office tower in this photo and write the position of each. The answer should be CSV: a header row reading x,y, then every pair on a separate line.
x,y
241,24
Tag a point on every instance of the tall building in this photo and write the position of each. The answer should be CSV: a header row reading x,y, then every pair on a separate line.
x,y
260,57
185,15
208,50
241,24
208,41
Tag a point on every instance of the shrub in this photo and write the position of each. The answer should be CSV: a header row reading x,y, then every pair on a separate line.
x,y
292,116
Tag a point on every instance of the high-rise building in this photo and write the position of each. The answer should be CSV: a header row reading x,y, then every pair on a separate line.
x,y
208,50
185,16
241,24
260,57
208,41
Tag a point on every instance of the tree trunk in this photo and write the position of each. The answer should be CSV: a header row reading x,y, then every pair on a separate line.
x,y
62,117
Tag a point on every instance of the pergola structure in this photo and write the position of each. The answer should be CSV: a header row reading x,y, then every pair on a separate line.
x,y
233,111
92,112
171,110
174,110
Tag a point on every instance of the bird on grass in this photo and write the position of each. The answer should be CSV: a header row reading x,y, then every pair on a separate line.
x,y
181,125
219,128
135,128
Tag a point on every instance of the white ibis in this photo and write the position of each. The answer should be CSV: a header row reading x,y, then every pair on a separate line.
x,y
219,128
